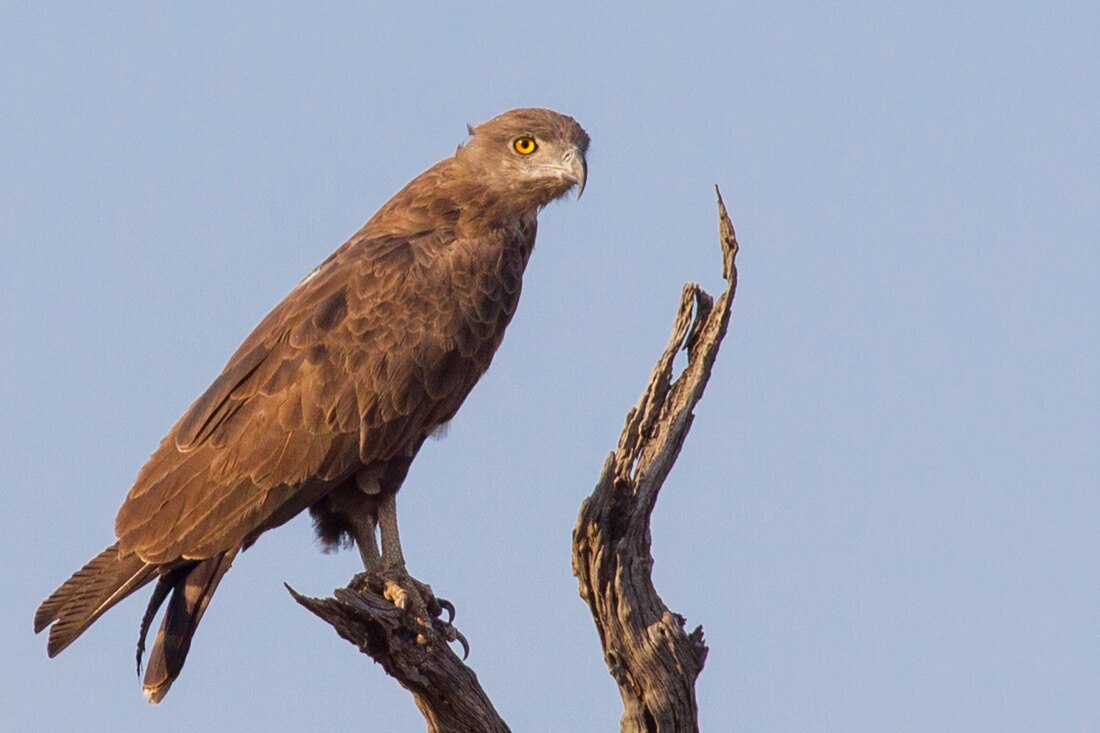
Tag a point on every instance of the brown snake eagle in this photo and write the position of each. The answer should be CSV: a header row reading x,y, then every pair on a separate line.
x,y
326,403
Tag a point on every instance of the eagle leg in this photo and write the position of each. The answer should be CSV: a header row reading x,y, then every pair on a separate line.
x,y
393,560
367,544
401,589
405,591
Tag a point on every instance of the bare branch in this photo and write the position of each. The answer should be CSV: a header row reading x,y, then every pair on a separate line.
x,y
653,660
416,655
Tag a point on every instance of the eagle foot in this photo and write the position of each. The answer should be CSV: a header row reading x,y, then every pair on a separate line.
x,y
417,600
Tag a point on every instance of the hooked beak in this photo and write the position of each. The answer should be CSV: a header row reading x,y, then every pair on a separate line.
x,y
576,168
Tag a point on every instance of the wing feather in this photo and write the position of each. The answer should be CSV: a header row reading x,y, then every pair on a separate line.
x,y
363,359
215,405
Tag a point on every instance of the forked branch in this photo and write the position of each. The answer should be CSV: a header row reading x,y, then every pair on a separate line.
x,y
653,660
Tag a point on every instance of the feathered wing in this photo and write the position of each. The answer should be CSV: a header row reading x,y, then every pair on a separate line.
x,y
364,358
279,426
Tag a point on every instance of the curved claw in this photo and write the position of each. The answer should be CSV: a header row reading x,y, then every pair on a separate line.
x,y
447,606
450,633
465,644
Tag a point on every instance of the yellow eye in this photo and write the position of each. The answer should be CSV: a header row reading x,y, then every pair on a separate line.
x,y
525,145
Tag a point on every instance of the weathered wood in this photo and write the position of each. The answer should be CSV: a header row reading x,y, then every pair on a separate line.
x,y
416,655
653,660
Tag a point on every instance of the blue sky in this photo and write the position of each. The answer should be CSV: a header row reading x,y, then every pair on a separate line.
x,y
885,517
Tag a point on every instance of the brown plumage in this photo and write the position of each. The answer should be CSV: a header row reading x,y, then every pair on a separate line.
x,y
326,403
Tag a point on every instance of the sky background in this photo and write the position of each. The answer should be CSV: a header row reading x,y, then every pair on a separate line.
x,y
885,516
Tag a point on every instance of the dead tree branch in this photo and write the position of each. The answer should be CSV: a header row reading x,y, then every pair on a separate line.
x,y
653,660
417,656
646,649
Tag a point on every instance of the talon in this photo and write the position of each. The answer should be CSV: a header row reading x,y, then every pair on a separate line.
x,y
450,633
445,605
417,599
465,644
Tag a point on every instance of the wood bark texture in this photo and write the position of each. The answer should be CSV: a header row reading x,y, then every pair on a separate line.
x,y
653,660
416,655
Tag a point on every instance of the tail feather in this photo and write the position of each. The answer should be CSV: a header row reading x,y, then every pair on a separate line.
x,y
104,581
192,590
164,586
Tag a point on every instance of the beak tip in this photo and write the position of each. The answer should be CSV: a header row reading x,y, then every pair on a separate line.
x,y
576,169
